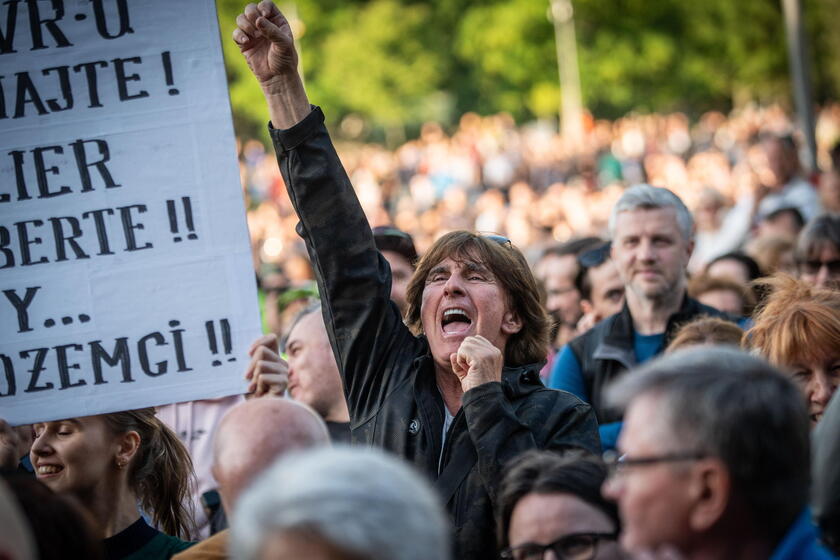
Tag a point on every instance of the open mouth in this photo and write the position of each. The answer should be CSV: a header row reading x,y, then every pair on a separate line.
x,y
455,321
47,470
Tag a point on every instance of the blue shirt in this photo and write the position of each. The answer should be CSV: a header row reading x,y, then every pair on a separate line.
x,y
800,542
566,375
646,346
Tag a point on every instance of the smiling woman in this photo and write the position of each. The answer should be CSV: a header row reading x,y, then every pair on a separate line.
x,y
112,462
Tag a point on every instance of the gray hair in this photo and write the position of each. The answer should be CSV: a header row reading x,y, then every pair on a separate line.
x,y
821,229
359,500
740,409
648,197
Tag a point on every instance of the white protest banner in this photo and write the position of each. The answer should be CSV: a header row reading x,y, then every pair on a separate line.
x,y
126,277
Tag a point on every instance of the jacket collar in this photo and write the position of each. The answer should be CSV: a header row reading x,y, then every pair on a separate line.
x,y
617,343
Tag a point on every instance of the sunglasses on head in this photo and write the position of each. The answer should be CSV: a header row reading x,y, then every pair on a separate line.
x,y
500,239
595,257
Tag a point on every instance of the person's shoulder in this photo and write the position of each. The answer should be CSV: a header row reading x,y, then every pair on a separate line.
x,y
555,400
161,547
213,548
594,335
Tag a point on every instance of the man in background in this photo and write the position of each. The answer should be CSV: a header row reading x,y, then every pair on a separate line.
x,y
713,460
313,373
600,286
398,249
557,269
250,437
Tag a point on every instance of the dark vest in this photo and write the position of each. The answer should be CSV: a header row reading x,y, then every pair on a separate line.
x,y
606,351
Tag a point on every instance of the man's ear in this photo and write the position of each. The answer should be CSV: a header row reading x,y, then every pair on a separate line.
x,y
128,444
689,249
710,487
511,323
586,306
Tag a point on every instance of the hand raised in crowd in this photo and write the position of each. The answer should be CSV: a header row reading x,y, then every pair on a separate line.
x,y
477,362
265,39
268,373
13,444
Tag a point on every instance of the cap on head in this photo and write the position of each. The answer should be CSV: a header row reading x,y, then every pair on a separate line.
x,y
388,238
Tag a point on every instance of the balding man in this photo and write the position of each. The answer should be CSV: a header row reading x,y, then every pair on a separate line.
x,y
251,436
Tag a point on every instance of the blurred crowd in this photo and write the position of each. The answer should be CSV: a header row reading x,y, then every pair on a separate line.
x,y
527,183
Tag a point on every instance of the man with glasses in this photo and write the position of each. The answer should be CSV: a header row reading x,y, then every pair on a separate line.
x,y
552,502
713,460
455,388
818,252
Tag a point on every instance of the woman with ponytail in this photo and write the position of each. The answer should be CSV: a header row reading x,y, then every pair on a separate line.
x,y
117,465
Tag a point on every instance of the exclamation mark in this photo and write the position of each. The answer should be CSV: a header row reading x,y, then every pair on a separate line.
x,y
172,212
211,339
226,340
188,216
167,70
173,220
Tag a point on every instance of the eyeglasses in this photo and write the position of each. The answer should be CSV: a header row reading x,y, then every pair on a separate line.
x,y
813,267
617,463
595,257
575,546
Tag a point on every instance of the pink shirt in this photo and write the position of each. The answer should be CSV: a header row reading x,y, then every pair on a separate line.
x,y
195,424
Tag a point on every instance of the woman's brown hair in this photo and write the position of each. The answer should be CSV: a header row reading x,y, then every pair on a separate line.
x,y
510,269
706,330
161,472
796,322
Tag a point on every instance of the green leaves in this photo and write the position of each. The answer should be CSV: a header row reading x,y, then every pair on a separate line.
x,y
398,63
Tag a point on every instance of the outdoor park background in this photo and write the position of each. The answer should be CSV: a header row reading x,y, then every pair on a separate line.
x,y
445,112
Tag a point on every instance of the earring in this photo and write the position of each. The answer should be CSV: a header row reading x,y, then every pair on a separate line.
x,y
120,464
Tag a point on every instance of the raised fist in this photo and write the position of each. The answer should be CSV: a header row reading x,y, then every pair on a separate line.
x,y
265,39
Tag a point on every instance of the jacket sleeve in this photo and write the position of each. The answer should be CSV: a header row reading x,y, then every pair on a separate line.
x,y
500,435
365,329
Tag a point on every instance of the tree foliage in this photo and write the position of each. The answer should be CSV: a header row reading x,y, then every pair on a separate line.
x,y
398,63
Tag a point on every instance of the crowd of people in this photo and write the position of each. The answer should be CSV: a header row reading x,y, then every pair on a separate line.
x,y
534,353
551,193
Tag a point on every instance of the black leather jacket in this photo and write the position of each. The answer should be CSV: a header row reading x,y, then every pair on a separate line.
x,y
606,351
388,373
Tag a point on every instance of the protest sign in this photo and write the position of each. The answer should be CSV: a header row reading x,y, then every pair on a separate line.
x,y
126,277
